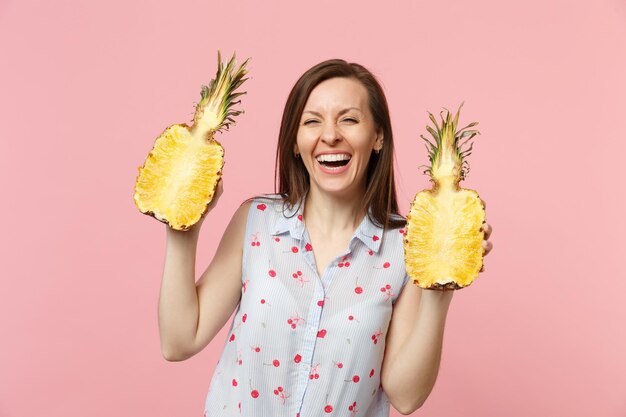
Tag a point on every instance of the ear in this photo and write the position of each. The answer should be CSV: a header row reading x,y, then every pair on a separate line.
x,y
378,145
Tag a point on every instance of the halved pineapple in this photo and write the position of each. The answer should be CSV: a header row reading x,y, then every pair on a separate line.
x,y
180,175
443,240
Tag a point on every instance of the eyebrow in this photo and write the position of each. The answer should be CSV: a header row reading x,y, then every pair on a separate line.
x,y
341,113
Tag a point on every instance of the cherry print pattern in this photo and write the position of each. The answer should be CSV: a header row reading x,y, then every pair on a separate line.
x,y
271,272
383,266
300,278
376,335
345,261
282,395
328,408
387,291
353,409
294,320
313,374
357,289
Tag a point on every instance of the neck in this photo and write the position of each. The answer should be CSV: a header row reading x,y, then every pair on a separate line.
x,y
332,214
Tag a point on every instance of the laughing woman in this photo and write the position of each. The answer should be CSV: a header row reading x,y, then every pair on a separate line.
x,y
324,322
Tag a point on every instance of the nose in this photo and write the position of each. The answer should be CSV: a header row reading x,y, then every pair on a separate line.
x,y
330,134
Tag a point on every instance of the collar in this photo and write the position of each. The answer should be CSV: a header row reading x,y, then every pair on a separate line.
x,y
290,220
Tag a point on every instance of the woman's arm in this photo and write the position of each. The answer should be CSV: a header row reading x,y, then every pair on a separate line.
x,y
190,313
413,346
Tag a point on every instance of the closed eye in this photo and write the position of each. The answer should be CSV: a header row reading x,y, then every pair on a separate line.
x,y
310,121
351,120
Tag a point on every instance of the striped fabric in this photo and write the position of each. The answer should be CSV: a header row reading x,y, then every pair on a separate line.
x,y
301,345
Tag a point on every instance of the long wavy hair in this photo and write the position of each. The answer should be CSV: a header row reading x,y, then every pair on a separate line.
x,y
291,179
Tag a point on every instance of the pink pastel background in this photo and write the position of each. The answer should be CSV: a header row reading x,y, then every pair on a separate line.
x,y
86,87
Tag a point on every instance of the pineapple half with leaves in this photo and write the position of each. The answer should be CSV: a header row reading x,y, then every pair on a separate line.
x,y
443,236
180,175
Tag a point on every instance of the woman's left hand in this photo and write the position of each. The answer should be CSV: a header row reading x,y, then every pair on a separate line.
x,y
487,245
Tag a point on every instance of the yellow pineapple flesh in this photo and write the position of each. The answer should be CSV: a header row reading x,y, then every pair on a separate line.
x,y
443,240
180,175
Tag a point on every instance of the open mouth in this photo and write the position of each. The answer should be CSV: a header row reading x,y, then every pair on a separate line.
x,y
334,161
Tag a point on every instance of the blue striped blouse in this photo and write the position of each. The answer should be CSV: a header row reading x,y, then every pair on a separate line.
x,y
301,345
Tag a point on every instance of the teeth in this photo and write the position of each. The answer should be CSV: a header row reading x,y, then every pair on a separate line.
x,y
334,157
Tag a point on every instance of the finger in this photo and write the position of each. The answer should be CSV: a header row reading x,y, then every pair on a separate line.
x,y
487,229
487,246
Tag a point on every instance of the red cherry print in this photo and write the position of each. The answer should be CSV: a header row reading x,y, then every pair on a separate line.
x,y
347,264
261,207
372,373
357,289
340,365
275,363
275,392
387,290
386,265
350,318
232,337
294,249
276,239
234,382
321,334
244,317
320,303
340,264
356,378
253,392
255,348
280,389
297,358
375,238
262,300
308,247
328,409
271,273
370,252
300,217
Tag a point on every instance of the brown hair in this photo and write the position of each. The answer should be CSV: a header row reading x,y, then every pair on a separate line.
x,y
293,178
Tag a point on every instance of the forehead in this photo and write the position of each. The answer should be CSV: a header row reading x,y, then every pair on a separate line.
x,y
338,93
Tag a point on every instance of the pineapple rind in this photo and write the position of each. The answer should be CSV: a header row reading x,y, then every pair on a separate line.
x,y
443,241
179,177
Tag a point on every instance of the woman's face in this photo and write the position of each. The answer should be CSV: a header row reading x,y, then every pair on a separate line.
x,y
336,136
